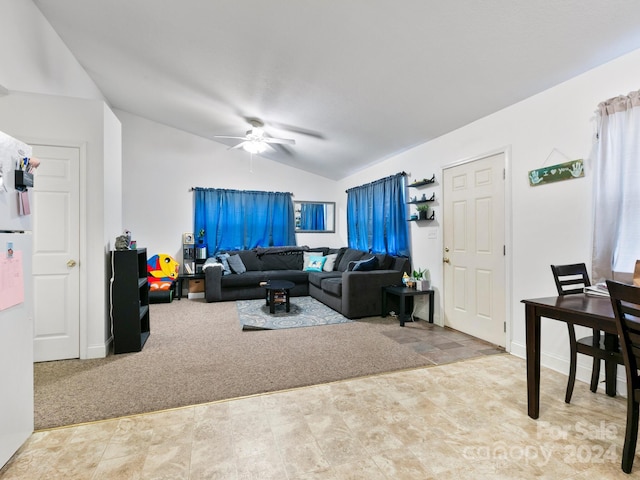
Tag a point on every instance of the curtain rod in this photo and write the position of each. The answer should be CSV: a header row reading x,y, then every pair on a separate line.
x,y
191,189
403,173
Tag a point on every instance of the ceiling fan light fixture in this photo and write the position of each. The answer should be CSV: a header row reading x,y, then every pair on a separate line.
x,y
257,132
254,146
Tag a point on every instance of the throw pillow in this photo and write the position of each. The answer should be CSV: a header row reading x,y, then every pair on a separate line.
x,y
349,255
236,265
307,257
223,259
315,264
366,265
330,262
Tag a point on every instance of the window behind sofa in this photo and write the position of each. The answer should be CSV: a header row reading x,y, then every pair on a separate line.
x,y
377,216
243,219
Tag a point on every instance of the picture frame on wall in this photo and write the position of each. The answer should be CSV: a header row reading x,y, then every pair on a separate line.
x,y
188,238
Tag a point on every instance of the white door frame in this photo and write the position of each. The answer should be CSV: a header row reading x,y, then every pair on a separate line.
x,y
508,236
82,234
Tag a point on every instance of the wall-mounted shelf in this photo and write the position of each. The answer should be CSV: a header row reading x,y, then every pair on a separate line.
x,y
423,182
428,219
423,200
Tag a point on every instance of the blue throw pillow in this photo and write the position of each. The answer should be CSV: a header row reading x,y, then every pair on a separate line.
x,y
316,264
366,265
235,263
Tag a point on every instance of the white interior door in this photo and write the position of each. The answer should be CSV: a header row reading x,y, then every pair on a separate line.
x,y
56,250
474,240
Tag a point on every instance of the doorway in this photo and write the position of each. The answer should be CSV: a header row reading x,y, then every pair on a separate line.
x,y
56,253
474,244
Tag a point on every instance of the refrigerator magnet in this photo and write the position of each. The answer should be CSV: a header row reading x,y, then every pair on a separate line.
x,y
9,249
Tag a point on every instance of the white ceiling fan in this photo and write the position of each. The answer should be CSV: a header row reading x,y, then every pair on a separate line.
x,y
256,140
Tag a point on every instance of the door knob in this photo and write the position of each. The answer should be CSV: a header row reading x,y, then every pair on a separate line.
x,y
71,263
446,249
446,260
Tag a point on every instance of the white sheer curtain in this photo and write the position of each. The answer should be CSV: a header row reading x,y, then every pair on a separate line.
x,y
616,240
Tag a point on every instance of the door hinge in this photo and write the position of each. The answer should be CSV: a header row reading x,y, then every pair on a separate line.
x,y
504,173
505,326
504,250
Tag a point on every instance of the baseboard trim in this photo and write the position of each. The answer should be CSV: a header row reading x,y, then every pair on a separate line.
x,y
583,370
98,351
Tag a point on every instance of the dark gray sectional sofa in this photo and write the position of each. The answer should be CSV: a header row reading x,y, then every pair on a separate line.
x,y
351,285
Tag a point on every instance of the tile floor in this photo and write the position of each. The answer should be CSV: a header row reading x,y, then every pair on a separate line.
x,y
460,420
440,345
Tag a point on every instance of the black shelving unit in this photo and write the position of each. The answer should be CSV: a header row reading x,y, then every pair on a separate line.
x,y
188,258
129,300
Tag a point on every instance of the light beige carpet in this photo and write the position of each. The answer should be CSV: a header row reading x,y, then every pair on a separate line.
x,y
198,353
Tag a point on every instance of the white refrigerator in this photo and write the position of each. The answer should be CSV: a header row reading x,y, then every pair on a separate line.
x,y
16,307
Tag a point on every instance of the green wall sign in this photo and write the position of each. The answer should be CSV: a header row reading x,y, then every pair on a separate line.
x,y
557,173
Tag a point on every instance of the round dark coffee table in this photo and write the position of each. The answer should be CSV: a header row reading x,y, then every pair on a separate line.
x,y
277,291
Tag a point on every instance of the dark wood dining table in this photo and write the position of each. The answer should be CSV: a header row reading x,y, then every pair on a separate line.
x,y
579,309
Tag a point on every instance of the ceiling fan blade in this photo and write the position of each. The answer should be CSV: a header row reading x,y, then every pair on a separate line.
x,y
294,129
240,145
280,148
289,141
228,136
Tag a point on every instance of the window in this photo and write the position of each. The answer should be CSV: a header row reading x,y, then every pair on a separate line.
x,y
377,216
616,238
237,220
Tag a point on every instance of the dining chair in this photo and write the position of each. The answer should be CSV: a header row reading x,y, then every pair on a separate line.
x,y
625,300
571,279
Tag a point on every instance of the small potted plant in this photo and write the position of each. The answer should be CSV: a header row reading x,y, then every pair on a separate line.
x,y
421,278
201,248
422,211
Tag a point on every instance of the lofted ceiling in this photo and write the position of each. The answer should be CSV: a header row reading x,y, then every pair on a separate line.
x,y
353,82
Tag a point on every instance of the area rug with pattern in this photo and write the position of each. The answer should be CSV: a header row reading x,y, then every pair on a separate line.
x,y
303,312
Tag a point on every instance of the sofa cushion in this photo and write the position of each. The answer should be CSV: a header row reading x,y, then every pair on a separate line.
x,y
286,260
384,261
333,286
316,278
350,255
253,279
295,276
250,260
236,264
401,264
247,279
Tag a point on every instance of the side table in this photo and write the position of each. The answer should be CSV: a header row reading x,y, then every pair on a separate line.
x,y
186,277
402,293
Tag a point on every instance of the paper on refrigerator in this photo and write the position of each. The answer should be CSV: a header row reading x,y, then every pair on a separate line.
x,y
11,280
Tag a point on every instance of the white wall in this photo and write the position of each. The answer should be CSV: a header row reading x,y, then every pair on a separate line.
x,y
34,58
111,201
550,223
161,164
88,124
46,85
